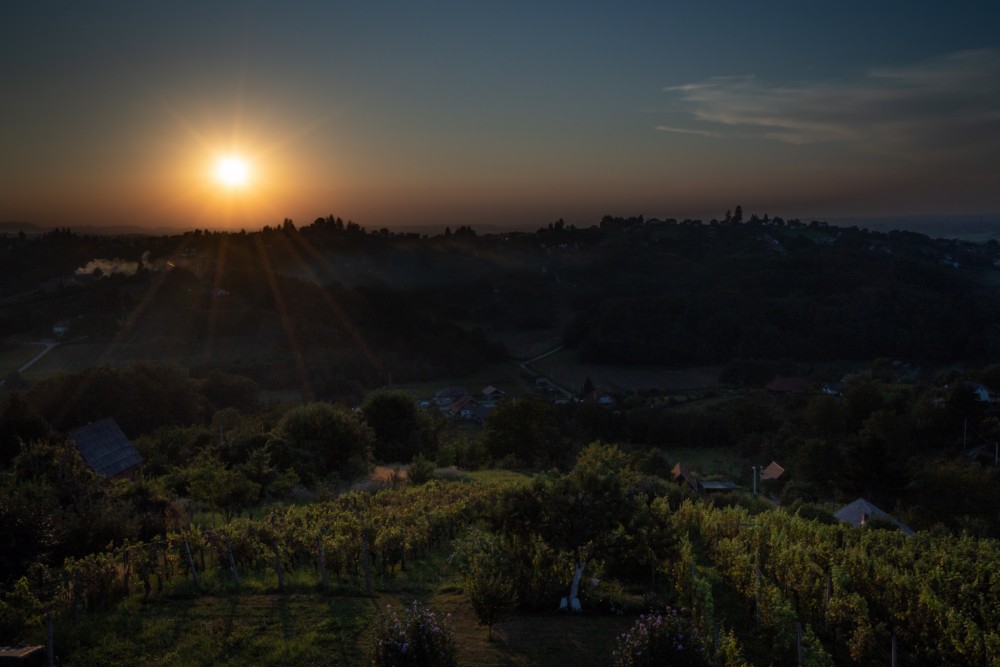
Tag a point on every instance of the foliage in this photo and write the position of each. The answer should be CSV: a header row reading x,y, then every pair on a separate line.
x,y
141,398
420,470
401,430
20,611
229,491
417,637
526,432
660,639
468,453
320,439
19,424
492,593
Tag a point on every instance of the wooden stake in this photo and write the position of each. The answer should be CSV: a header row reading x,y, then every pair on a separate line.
x,y
194,571
232,563
319,555
367,561
277,566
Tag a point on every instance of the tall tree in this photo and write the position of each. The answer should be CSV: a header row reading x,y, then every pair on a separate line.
x,y
401,430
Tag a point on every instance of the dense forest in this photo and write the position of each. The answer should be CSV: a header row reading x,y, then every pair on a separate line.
x,y
334,310
263,376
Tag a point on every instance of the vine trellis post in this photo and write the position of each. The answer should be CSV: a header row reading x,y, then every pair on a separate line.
x,y
319,556
194,570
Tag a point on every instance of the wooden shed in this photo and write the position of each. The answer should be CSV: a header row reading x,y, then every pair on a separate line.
x,y
104,447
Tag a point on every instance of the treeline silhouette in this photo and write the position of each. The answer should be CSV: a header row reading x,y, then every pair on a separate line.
x,y
349,307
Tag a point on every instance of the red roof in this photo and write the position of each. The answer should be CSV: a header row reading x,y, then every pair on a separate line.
x,y
772,471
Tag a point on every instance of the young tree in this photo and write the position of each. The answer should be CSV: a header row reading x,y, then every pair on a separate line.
x,y
590,513
492,593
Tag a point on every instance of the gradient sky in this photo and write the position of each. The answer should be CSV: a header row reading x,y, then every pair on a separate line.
x,y
512,114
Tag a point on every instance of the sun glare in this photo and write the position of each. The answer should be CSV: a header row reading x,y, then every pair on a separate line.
x,y
232,171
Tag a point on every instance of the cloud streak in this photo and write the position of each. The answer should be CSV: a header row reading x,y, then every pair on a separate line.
x,y
943,106
681,130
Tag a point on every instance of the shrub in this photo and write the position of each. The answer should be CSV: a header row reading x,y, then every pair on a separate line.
x,y
492,593
417,637
663,639
421,470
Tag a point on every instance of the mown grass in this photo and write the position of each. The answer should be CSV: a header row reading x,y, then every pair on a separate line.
x,y
261,629
218,624
76,356
499,476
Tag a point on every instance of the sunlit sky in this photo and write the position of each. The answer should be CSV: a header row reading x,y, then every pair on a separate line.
x,y
512,114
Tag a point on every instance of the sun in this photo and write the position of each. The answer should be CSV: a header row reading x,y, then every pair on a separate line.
x,y
232,171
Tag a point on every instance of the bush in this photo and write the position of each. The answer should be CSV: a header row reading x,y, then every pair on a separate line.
x,y
417,637
421,470
663,639
493,595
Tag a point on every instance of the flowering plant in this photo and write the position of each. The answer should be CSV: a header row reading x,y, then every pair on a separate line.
x,y
418,636
660,639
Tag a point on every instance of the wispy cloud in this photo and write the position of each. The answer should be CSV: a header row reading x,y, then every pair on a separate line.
x,y
681,130
944,105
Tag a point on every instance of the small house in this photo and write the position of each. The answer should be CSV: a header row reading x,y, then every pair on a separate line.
x,y
491,393
833,388
980,391
717,486
449,395
771,471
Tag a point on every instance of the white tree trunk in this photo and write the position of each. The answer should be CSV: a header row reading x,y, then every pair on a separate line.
x,y
574,588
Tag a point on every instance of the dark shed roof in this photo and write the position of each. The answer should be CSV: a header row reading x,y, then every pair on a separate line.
x,y
858,512
105,448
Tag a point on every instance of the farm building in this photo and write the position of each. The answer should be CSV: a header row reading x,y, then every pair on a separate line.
x,y
771,471
105,448
859,512
22,656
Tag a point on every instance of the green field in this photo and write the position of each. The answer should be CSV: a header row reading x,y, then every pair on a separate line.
x,y
15,355
313,629
78,355
259,626
506,376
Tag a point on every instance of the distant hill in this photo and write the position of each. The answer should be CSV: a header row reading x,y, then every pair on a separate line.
x,y
979,228
14,227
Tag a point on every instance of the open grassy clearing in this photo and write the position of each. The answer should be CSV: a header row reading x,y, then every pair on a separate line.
x,y
546,638
315,629
505,376
221,630
565,370
78,356
15,355
721,461
259,626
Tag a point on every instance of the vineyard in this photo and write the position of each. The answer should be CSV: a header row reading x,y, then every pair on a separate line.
x,y
760,587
